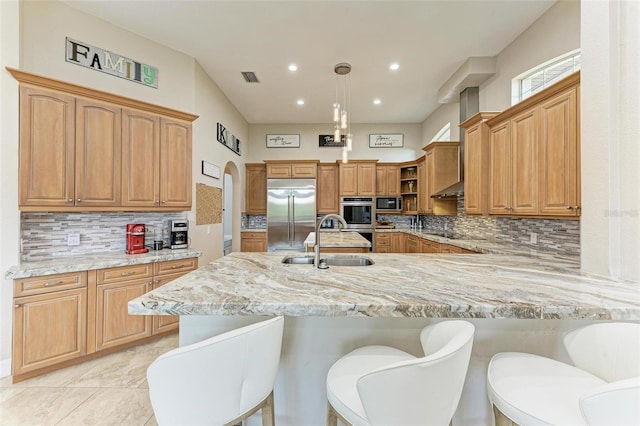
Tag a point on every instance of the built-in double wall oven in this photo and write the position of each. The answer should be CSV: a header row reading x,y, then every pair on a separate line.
x,y
360,215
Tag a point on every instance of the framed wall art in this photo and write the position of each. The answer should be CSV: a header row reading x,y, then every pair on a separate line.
x,y
283,141
386,140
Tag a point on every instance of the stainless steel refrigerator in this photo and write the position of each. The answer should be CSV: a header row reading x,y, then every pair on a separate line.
x,y
291,213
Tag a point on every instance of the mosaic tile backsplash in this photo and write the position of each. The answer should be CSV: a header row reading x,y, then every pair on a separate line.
x,y
44,235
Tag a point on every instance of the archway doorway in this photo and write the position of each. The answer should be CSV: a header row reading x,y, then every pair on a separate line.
x,y
231,209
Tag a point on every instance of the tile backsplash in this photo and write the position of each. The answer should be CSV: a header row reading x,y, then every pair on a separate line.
x,y
44,235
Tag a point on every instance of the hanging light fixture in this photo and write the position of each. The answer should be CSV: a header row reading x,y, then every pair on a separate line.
x,y
341,113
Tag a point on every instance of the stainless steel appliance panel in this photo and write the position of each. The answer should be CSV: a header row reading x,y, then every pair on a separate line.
x,y
358,212
291,213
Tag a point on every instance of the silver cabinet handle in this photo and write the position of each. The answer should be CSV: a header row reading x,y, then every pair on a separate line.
x,y
124,274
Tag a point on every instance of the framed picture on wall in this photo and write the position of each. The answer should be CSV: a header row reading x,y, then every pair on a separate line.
x,y
283,141
386,140
326,141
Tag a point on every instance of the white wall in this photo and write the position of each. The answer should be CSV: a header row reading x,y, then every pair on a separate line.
x,y
257,151
9,215
213,107
610,89
447,113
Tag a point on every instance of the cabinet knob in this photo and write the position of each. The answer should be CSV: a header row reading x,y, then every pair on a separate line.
x,y
576,207
569,207
71,200
78,200
46,284
164,201
16,306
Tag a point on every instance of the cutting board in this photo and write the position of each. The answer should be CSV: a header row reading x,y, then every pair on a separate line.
x,y
385,226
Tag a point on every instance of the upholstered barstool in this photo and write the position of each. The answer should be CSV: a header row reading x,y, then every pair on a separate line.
x,y
381,385
218,381
603,388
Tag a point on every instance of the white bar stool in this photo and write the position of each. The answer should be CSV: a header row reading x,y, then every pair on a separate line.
x,y
603,388
380,385
218,381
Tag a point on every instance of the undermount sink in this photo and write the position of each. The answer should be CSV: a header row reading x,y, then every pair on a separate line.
x,y
330,260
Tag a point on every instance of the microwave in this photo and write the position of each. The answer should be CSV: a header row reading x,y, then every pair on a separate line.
x,y
389,204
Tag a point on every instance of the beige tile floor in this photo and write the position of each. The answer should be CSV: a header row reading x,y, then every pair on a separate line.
x,y
111,390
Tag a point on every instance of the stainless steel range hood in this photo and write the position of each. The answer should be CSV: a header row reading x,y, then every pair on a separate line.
x,y
469,105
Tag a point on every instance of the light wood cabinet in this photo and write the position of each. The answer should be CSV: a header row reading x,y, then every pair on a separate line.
x,y
253,241
98,154
476,163
387,179
327,193
441,170
534,155
255,184
428,246
82,149
140,159
47,148
413,244
389,242
114,288
559,172
358,178
288,169
49,321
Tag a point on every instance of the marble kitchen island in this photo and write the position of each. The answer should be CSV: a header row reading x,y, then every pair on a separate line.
x,y
338,242
520,303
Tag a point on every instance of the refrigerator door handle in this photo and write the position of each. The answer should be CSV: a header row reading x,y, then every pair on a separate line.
x,y
289,217
293,213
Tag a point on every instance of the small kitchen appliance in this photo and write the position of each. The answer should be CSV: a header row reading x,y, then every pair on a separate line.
x,y
178,234
135,238
388,204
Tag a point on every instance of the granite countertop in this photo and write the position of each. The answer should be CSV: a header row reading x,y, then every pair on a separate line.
x,y
87,262
337,239
397,285
253,230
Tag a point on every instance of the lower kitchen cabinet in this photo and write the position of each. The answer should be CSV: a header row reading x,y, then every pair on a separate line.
x,y
428,246
63,319
389,242
412,244
49,321
253,241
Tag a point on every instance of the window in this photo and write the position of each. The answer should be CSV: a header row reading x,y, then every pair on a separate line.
x,y
443,134
538,78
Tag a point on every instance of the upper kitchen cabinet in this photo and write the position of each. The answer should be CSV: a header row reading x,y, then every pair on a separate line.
x,y
476,163
47,148
387,179
82,149
289,169
98,154
255,188
534,154
358,178
440,171
412,175
327,198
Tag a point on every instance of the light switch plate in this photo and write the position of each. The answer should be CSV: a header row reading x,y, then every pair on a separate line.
x,y
73,239
533,238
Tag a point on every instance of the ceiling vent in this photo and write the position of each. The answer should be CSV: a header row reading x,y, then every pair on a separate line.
x,y
250,77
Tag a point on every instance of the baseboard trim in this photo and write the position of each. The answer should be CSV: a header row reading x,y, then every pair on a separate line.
x,y
5,368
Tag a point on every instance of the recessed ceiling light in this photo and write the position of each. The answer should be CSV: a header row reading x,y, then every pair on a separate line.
x,y
300,102
394,66
377,101
293,67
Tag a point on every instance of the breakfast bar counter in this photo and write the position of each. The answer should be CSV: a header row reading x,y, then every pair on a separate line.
x,y
516,303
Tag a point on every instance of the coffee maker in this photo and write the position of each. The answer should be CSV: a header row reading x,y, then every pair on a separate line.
x,y
135,238
178,234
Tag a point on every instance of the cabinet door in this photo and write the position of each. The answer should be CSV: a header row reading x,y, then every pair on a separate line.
x,y
175,163
253,242
524,172
474,168
423,198
278,170
348,179
500,170
429,183
328,200
381,180
48,329
393,180
559,155
366,179
304,170
98,154
140,159
397,242
47,148
255,201
114,325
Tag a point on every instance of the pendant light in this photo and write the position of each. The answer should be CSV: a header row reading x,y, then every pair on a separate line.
x,y
341,114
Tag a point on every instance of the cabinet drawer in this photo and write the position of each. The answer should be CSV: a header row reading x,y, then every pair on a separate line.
x,y
304,170
49,283
174,266
383,240
124,273
255,235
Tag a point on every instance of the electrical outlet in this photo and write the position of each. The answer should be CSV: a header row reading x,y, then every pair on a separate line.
x,y
73,239
533,238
